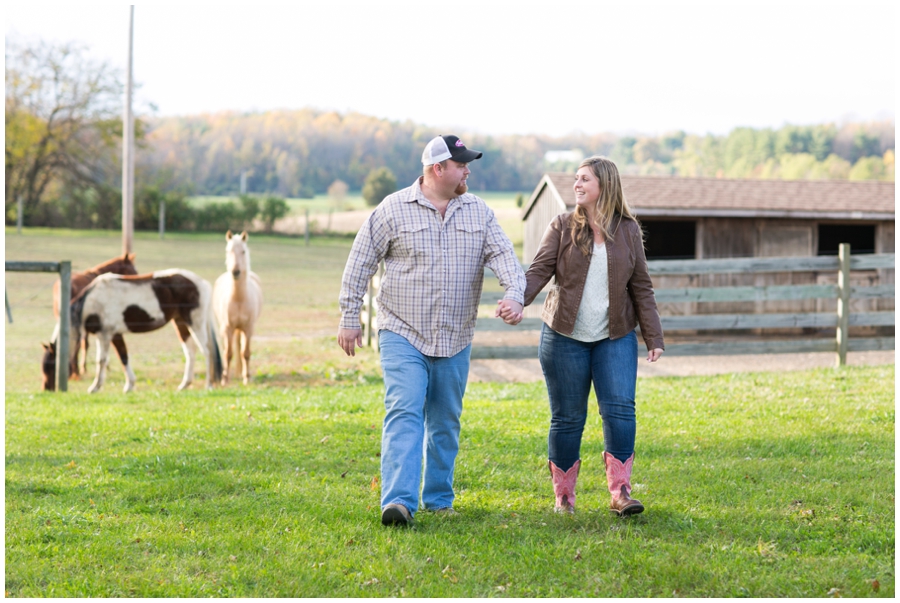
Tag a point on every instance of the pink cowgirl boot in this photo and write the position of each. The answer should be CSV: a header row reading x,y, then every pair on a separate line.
x,y
564,486
618,478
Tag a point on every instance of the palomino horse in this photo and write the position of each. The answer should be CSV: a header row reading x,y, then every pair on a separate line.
x,y
113,305
237,302
80,280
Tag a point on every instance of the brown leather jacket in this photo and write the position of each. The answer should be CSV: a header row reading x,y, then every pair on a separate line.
x,y
631,299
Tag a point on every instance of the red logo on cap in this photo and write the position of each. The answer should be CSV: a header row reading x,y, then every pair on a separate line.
x,y
459,143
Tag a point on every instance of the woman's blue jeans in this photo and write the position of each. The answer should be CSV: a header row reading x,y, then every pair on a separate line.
x,y
570,366
423,403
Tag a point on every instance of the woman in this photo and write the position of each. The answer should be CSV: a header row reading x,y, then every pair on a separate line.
x,y
601,293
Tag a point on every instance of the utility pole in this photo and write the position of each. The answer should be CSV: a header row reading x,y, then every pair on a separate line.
x,y
162,220
128,149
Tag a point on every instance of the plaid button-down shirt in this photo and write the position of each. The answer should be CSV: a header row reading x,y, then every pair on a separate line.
x,y
434,269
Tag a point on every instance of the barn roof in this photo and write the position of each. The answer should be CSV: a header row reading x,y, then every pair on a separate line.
x,y
720,197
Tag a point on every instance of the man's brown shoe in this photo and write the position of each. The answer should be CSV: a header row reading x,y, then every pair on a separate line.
x,y
394,514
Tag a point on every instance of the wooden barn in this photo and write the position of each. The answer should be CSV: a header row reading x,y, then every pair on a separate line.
x,y
702,218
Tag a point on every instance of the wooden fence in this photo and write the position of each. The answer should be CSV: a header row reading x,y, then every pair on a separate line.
x,y
841,320
64,269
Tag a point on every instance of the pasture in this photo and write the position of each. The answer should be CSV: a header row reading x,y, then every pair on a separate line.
x,y
319,207
295,336
756,485
322,204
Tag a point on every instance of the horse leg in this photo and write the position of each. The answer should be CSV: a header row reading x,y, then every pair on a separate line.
x,y
78,363
82,365
228,335
74,372
130,380
184,334
245,354
102,361
207,348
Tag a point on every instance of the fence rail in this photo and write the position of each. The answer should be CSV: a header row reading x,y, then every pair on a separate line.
x,y
64,269
841,320
759,265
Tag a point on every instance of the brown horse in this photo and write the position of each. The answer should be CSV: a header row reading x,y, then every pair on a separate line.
x,y
113,305
80,280
237,303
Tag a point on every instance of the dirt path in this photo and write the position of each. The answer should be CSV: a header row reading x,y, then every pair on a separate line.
x,y
524,371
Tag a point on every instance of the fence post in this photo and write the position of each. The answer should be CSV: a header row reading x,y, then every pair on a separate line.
x,y
162,219
62,341
843,304
306,231
20,204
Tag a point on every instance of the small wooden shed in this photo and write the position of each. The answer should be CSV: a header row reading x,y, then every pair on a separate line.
x,y
700,218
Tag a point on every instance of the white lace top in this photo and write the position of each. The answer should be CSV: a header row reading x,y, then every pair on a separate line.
x,y
592,320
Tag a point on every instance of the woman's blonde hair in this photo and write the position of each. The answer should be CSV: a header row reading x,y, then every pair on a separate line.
x,y
610,203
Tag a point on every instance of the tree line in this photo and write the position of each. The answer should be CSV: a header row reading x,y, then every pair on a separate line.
x,y
63,150
300,153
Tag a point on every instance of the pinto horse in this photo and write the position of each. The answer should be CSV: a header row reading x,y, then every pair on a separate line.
x,y
114,304
80,280
237,303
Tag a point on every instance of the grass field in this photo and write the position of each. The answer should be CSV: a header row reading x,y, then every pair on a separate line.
x,y
317,205
323,214
321,204
755,484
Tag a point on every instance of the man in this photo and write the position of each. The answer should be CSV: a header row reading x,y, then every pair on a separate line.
x,y
435,240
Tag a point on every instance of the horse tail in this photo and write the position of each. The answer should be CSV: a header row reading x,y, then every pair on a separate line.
x,y
214,350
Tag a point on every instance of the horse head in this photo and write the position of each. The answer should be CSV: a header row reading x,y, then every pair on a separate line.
x,y
48,367
237,255
117,265
124,265
48,362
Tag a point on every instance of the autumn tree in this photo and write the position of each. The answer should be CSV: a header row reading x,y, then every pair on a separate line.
x,y
646,150
63,123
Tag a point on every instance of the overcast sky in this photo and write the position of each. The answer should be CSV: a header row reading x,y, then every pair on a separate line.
x,y
550,67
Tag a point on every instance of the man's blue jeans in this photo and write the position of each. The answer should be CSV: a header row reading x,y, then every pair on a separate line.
x,y
423,404
570,366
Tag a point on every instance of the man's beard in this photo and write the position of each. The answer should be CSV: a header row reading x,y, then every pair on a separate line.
x,y
461,189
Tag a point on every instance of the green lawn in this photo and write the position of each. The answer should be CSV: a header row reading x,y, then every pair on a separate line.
x,y
755,485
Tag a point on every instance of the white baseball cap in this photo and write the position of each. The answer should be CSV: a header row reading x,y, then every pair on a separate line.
x,y
440,148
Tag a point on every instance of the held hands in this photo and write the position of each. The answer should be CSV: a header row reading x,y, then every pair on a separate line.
x,y
349,340
509,311
654,354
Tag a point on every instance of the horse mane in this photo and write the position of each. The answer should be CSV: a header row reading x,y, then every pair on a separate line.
x,y
118,265
137,278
